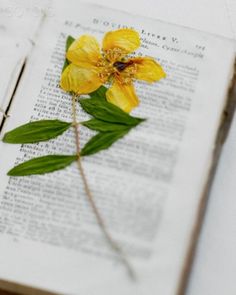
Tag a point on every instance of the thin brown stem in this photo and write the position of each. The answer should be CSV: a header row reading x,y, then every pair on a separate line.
x,y
89,195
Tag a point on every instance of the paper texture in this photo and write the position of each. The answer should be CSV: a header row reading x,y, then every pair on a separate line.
x,y
231,11
216,253
215,260
23,17
215,263
19,24
12,56
47,219
209,16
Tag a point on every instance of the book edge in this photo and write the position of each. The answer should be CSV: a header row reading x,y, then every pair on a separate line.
x,y
221,136
22,289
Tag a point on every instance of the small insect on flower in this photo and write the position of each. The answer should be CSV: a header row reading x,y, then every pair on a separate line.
x,y
90,67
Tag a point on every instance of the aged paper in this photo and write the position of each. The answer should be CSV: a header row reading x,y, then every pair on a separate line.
x,y
149,173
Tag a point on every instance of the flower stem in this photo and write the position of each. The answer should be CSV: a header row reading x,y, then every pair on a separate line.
x,y
89,195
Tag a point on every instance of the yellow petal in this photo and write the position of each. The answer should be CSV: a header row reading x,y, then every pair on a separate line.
x,y
126,39
123,96
80,80
84,50
148,69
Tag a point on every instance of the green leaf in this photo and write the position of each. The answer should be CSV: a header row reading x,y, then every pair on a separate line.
x,y
69,41
108,112
100,93
102,141
66,64
103,126
42,165
36,131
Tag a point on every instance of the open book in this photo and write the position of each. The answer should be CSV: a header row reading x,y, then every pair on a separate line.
x,y
150,187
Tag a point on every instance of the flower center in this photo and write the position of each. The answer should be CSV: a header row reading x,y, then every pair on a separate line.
x,y
121,66
113,54
111,65
127,74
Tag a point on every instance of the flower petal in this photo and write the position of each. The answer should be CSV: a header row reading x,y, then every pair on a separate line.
x,y
84,50
123,96
126,39
148,69
80,80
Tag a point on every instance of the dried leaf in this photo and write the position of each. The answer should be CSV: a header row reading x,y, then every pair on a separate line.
x,y
100,93
102,141
42,165
36,131
69,41
102,126
108,112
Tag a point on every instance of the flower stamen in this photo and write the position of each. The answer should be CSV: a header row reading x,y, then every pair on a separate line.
x,y
113,54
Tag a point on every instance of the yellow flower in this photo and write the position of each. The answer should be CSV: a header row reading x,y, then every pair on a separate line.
x,y
91,67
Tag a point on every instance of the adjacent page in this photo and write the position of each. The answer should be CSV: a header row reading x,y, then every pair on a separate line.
x,y
147,187
23,18
19,24
12,57
215,252
231,12
215,263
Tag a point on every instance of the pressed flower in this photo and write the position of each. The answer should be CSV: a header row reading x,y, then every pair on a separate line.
x,y
91,67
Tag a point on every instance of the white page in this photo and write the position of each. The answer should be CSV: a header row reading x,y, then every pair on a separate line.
x,y
12,56
215,267
19,23
210,16
42,267
215,261
22,18
231,10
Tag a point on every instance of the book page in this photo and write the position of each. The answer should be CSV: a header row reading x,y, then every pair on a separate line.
x,y
215,263
216,255
19,24
209,16
12,57
23,17
231,11
213,271
147,186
